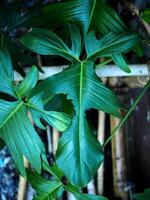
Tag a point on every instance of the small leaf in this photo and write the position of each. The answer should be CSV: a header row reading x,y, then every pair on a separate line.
x,y
28,82
120,62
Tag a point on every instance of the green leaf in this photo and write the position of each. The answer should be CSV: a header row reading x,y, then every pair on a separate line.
x,y
6,73
20,136
85,90
143,196
110,44
59,120
145,15
87,13
28,82
6,68
120,62
45,42
80,196
46,189
17,53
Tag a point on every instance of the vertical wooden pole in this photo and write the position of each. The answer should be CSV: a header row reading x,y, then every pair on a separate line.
x,y
118,161
22,183
100,172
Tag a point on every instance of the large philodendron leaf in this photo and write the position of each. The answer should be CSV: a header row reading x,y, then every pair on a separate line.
x,y
79,153
78,144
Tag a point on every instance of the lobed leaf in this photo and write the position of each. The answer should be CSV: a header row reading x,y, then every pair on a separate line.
x,y
46,42
110,44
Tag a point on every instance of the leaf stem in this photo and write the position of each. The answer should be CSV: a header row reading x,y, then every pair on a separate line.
x,y
124,119
103,63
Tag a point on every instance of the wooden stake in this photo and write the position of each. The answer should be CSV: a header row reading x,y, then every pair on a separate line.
x,y
55,136
100,172
118,161
22,183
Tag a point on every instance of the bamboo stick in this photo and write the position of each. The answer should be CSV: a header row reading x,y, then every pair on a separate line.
x,y
55,136
118,161
22,183
100,172
105,71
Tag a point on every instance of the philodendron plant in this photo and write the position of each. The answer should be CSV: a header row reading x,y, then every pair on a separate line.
x,y
92,35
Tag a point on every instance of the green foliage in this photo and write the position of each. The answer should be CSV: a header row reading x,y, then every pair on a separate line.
x,y
95,32
145,15
143,196
79,82
46,189
15,128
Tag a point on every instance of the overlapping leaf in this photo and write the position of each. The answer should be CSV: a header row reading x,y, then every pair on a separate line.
x,y
45,189
20,136
85,90
15,128
6,73
87,13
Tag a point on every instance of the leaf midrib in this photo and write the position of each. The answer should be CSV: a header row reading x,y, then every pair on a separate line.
x,y
80,111
91,15
48,193
11,114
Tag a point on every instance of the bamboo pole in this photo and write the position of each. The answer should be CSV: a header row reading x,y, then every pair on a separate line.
x,y
101,133
118,161
105,71
22,183
55,138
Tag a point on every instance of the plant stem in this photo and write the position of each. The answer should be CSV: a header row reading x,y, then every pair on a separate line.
x,y
124,119
103,63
